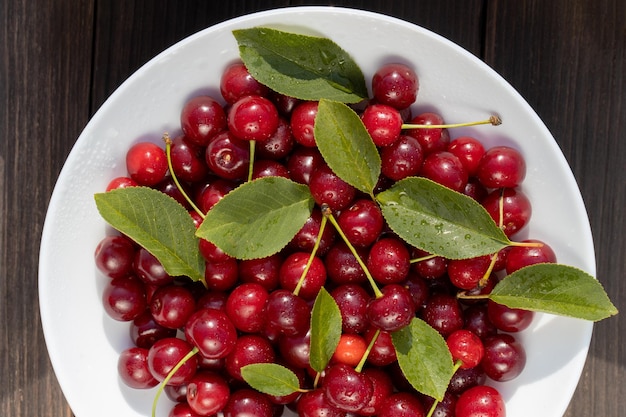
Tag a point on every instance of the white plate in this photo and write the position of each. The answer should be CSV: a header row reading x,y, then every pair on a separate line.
x,y
84,343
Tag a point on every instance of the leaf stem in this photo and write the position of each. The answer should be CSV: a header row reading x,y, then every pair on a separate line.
x,y
493,120
527,244
168,153
433,407
370,346
328,213
422,258
485,278
465,296
169,376
316,246
251,163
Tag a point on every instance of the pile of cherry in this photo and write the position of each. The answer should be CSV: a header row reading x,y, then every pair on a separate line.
x,y
249,306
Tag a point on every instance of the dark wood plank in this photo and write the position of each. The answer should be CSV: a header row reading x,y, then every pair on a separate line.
x,y
461,22
129,33
44,92
60,60
568,58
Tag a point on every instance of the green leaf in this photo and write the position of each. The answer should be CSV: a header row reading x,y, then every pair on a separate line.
x,y
300,66
271,378
424,358
440,221
325,330
158,223
346,145
557,289
258,218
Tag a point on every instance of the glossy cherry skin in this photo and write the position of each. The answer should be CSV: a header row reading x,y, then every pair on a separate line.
x,y
228,156
188,160
145,331
253,118
521,256
516,209
279,145
308,235
237,82
507,319
262,271
382,387
207,393
350,349
133,368
302,162
292,269
446,169
430,139
248,349
352,301
120,182
505,357
466,347
393,310
443,312
303,123
383,123
171,306
480,401
314,403
296,350
501,167
287,313
165,354
327,188
201,118
466,378
342,266
146,163
396,85
114,256
246,307
149,269
124,298
469,150
212,332
361,222
389,261
466,273
401,159
402,404
248,402
346,388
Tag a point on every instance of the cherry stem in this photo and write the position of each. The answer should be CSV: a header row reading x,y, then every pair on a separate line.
x,y
492,264
493,120
463,295
316,246
501,209
169,376
361,363
168,153
318,375
251,163
456,367
328,213
527,244
423,258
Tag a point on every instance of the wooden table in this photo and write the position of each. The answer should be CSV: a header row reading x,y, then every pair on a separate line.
x,y
60,59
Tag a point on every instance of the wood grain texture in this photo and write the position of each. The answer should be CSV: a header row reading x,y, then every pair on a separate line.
x,y
44,97
61,59
568,59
